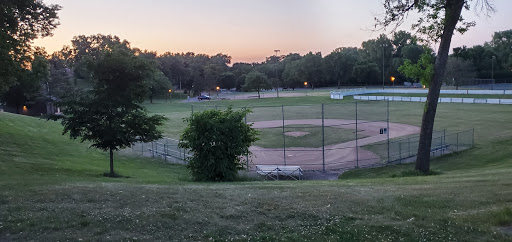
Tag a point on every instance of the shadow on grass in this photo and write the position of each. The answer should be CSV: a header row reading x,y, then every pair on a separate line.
x,y
114,175
412,173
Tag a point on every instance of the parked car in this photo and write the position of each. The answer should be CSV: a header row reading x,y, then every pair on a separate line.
x,y
203,97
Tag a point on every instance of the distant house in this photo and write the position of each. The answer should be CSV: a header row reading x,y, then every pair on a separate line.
x,y
39,107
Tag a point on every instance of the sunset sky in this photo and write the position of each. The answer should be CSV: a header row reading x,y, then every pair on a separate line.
x,y
247,30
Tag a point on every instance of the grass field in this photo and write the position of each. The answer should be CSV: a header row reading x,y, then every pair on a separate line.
x,y
273,137
52,188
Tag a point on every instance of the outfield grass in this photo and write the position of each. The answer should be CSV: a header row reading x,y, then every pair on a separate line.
x,y
52,188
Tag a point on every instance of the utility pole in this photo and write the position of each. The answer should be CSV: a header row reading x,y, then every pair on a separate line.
x,y
383,49
277,60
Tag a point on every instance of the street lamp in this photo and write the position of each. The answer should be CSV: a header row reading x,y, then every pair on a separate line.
x,y
393,80
306,87
218,88
170,91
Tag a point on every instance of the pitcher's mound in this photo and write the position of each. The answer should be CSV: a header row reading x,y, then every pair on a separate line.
x,y
296,133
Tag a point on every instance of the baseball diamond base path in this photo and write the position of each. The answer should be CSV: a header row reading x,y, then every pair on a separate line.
x,y
338,156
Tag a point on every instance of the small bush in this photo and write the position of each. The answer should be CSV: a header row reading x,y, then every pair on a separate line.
x,y
219,140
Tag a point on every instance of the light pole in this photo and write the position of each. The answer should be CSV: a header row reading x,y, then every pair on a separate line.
x,y
492,64
218,88
492,71
306,87
277,60
383,49
393,80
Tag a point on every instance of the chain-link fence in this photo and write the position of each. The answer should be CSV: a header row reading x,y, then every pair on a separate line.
x,y
166,149
338,136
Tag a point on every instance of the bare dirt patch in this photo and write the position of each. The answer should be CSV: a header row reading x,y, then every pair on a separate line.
x,y
338,156
296,133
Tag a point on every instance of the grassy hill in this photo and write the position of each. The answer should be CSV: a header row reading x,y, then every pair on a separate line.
x,y
52,188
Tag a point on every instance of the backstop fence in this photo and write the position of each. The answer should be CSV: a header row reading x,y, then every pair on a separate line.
x,y
326,137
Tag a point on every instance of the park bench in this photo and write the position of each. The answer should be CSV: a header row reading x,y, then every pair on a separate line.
x,y
274,172
439,148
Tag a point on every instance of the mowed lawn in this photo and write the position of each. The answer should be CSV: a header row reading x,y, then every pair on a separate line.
x,y
52,188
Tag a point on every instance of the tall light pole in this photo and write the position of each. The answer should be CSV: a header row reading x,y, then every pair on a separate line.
x,y
492,71
277,60
492,64
383,49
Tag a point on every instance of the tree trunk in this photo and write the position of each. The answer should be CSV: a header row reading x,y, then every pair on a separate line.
x,y
112,174
452,15
259,93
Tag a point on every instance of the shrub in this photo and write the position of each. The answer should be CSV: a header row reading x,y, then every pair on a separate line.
x,y
219,140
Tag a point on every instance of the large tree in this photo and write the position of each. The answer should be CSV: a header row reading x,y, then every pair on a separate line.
x,y
438,21
256,81
111,115
22,21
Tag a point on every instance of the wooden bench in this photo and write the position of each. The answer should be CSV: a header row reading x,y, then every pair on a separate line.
x,y
274,172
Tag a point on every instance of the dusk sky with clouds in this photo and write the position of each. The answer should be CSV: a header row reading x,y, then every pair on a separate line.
x,y
247,30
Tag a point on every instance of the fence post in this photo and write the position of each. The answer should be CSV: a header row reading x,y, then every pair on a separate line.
x,y
165,152
247,154
152,150
284,137
443,142
388,129
473,138
142,149
357,144
457,141
408,147
400,150
323,140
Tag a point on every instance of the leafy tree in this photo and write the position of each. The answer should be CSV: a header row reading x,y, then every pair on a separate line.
x,y
111,115
158,83
60,75
457,69
218,140
340,63
227,80
86,50
312,68
256,81
22,21
379,51
292,76
438,21
422,70
365,71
